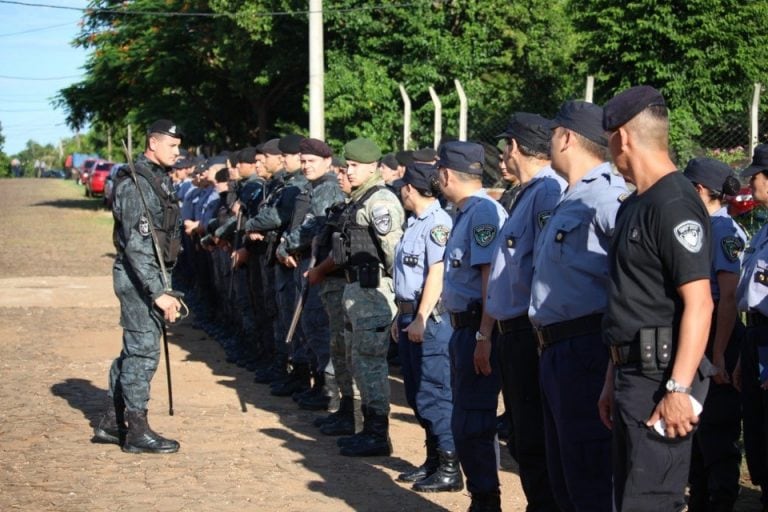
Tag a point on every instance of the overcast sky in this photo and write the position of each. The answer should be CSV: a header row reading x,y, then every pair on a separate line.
x,y
36,60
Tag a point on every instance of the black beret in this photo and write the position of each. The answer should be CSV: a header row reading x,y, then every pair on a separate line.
x,y
290,144
338,161
627,104
530,130
584,118
461,156
404,157
759,161
419,175
222,175
390,161
712,174
424,155
248,155
315,147
165,127
271,147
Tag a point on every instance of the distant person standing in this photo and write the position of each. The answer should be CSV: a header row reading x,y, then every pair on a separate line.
x,y
16,170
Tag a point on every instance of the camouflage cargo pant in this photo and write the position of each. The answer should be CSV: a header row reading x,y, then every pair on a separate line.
x,y
368,313
331,294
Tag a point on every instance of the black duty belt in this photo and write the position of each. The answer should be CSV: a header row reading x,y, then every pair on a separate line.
x,y
351,274
519,323
464,319
411,307
756,319
625,354
559,331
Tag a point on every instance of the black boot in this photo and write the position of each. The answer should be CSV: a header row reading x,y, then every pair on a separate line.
x,y
447,478
485,502
141,439
345,405
356,436
299,381
315,390
430,464
277,370
111,427
326,398
341,422
376,442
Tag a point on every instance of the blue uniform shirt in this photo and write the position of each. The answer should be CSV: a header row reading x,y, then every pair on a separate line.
x,y
470,245
189,202
210,207
570,276
509,285
752,292
201,200
422,245
728,242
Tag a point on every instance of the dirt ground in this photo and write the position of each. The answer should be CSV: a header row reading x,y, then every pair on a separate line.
x,y
241,449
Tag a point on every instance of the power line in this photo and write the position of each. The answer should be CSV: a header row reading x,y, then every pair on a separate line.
x,y
45,78
40,29
208,14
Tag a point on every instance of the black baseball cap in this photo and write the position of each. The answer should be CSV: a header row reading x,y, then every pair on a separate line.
x,y
530,130
584,118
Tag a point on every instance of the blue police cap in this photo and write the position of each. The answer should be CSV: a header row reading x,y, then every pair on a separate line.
x,y
759,161
420,175
627,104
584,118
530,130
461,156
712,174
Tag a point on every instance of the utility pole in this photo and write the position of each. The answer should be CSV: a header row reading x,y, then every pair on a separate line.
x,y
316,71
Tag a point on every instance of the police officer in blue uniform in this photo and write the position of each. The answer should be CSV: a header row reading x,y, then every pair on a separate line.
x,y
568,298
142,289
424,328
476,376
659,309
509,294
751,375
716,456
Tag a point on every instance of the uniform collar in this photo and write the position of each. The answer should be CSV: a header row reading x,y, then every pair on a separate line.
x,y
476,197
721,212
430,210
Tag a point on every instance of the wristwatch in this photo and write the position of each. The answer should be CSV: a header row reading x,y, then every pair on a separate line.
x,y
480,337
674,387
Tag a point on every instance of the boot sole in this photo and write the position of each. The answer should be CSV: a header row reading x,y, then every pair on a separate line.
x,y
452,488
103,437
136,449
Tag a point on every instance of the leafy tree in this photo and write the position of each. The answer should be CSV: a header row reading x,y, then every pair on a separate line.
x,y
704,55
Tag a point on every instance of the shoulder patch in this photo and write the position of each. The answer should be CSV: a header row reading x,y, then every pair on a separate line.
x,y
689,234
439,234
382,220
732,246
484,234
542,218
143,226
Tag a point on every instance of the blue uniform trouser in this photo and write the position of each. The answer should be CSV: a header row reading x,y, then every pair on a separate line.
x,y
426,369
519,363
650,472
578,445
755,409
314,323
270,310
132,372
475,399
285,287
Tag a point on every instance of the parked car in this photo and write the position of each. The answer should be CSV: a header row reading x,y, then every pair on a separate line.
x,y
95,184
85,170
54,173
110,184
746,211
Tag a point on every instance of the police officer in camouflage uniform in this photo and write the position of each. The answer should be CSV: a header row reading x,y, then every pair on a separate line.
x,y
365,246
320,192
142,289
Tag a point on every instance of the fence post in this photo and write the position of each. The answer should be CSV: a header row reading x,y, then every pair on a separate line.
x,y
753,114
316,71
462,110
438,117
589,93
406,118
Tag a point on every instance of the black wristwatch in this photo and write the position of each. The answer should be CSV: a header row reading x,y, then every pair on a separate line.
x,y
674,387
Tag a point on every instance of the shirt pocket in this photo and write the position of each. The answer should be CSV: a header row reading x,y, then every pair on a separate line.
x,y
568,238
516,245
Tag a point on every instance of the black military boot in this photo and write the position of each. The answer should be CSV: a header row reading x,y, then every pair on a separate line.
x,y
485,502
352,439
276,371
299,381
316,389
141,439
376,443
430,464
345,412
327,398
447,478
111,427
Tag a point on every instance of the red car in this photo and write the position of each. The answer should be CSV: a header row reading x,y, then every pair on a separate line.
x,y
85,170
97,177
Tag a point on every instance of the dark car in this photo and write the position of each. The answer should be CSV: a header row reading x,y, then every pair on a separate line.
x,y
95,184
53,173
85,170
110,184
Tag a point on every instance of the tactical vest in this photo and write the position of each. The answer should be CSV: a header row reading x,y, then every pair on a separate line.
x,y
356,245
169,231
